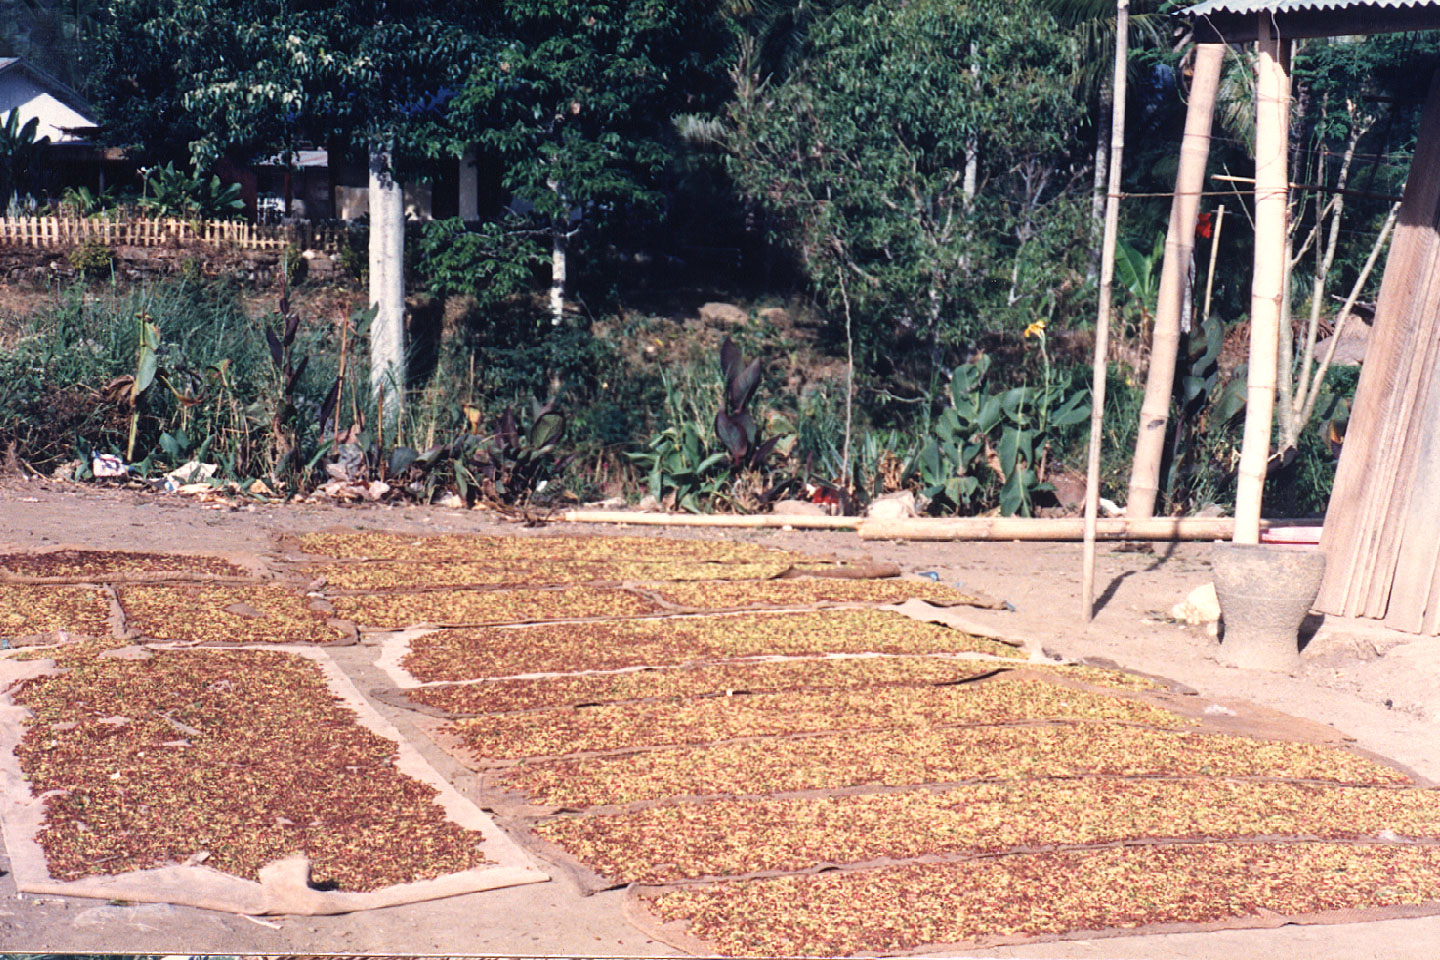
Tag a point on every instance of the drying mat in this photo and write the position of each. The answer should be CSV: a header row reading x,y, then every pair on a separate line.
x,y
388,575
230,613
691,681
465,608
749,837
1062,734
421,655
951,907
373,545
283,886
839,762
1006,699
38,612
809,593
80,565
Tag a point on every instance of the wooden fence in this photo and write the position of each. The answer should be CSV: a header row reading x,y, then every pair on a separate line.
x,y
167,231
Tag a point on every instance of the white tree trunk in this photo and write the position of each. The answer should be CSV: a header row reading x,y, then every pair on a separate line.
x,y
1102,159
469,186
387,286
558,266
972,145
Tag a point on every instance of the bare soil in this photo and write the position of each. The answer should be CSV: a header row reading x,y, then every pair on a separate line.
x,y
1379,687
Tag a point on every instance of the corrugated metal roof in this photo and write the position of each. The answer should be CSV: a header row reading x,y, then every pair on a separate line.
x,y
1293,6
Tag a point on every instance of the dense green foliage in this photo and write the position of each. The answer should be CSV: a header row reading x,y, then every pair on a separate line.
x,y
862,154
574,99
913,179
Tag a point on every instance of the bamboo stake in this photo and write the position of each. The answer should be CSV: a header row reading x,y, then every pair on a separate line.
x,y
1179,249
1266,292
1102,319
1214,252
340,381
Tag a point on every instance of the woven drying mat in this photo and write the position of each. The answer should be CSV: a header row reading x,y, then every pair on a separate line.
x,y
810,593
368,576
282,886
34,613
694,680
835,763
348,544
1312,757
81,565
217,614
477,608
1126,890
422,655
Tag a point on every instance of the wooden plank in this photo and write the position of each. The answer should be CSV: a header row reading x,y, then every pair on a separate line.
x,y
1365,478
1399,462
1404,456
1407,548
1417,556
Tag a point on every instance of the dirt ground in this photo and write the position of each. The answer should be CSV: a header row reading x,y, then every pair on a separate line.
x,y
1381,688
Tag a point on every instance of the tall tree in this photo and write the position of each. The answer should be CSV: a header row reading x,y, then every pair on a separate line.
x,y
577,97
242,78
861,153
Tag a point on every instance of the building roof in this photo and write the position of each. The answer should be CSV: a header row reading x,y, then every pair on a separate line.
x,y
1237,21
65,116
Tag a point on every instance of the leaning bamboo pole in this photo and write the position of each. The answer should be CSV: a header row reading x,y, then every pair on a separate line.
x,y
1272,125
1179,249
1102,318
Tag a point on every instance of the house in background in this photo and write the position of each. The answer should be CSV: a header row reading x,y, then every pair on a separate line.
x,y
64,115
311,186
72,157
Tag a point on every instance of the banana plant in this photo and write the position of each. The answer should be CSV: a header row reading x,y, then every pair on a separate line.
x,y
19,155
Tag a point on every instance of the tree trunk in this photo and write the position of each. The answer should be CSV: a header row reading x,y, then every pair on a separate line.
x,y
1179,251
387,286
1102,160
971,183
1272,188
559,257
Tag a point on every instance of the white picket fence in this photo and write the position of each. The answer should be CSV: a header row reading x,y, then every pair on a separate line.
x,y
166,231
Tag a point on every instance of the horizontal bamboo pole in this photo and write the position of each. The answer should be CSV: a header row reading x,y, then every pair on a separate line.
x,y
928,528
1058,528
771,520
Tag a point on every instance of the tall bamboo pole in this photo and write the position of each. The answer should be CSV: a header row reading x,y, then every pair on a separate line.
x,y
1272,189
1102,319
1179,249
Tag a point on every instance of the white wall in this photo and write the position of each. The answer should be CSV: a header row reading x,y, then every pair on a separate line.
x,y
18,91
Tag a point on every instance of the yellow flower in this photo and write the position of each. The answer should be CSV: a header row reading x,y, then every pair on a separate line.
x,y
1036,329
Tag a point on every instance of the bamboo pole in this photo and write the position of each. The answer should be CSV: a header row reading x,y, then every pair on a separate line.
x,y
1102,319
1068,529
1210,273
1272,122
763,520
1179,249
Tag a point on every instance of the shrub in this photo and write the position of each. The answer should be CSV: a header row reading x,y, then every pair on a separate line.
x,y
91,257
